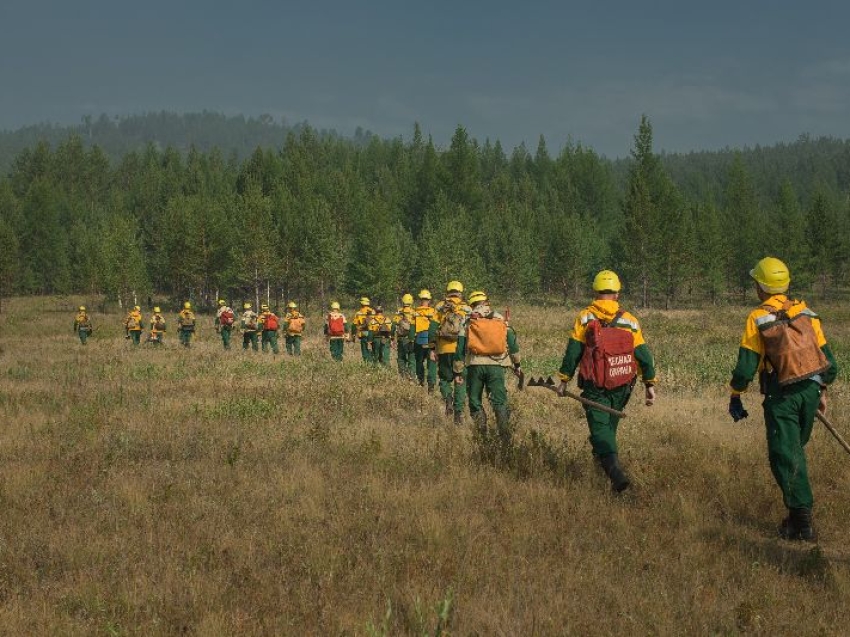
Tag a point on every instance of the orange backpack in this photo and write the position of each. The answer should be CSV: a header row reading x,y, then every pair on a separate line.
x,y
487,337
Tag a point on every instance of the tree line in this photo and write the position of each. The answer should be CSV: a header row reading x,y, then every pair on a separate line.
x,y
319,216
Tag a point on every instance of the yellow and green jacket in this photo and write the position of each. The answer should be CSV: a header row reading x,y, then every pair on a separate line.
x,y
751,358
405,312
461,358
294,314
133,321
157,319
606,310
421,314
360,322
82,322
376,322
443,345
248,321
186,320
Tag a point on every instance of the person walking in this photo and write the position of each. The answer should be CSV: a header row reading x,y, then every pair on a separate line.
x,y
249,325
424,326
380,333
486,347
334,329
608,347
294,323
402,335
269,324
224,320
157,327
360,329
186,324
82,324
451,315
133,325
784,343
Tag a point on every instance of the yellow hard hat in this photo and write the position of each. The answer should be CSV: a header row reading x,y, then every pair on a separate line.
x,y
606,281
477,297
187,306
264,306
425,294
246,306
222,302
157,310
407,299
292,305
454,286
772,275
335,305
136,308
82,308
364,300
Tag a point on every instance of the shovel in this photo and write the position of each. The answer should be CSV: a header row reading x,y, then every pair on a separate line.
x,y
549,384
832,430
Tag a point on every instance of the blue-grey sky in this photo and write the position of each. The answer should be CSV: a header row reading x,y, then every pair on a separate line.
x,y
708,74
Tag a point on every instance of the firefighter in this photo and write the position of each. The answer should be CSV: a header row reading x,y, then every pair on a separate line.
x,y
334,330
294,325
380,333
269,324
424,325
486,347
248,323
403,337
451,314
157,327
82,324
793,381
360,328
609,380
186,324
224,319
133,325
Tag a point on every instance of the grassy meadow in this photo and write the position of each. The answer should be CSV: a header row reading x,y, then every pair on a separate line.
x,y
163,491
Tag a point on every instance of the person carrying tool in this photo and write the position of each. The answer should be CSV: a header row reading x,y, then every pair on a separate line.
x,y
380,333
424,357
133,325
486,346
293,323
186,324
269,324
82,324
403,336
157,327
607,346
360,329
334,330
783,341
249,325
451,315
224,320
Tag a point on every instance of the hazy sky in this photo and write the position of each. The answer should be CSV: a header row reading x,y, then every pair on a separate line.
x,y
708,74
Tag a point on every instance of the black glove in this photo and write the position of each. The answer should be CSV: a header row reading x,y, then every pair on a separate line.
x,y
736,408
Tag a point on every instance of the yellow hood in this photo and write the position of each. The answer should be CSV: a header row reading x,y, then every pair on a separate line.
x,y
605,309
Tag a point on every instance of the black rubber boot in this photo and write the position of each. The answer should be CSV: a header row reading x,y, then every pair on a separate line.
x,y
611,464
458,417
798,526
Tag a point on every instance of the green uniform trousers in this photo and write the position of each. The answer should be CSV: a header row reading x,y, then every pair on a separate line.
x,y
366,349
270,339
252,339
225,336
337,346
381,349
493,378
789,416
406,361
185,337
293,345
135,336
450,390
423,362
84,336
603,427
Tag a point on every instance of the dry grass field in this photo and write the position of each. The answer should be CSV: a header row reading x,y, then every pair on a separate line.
x,y
162,491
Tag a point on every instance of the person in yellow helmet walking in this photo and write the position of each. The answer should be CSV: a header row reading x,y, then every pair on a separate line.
x,y
269,324
248,321
186,324
403,337
451,315
334,329
133,325
157,327
82,324
294,323
380,333
360,328
224,320
608,348
784,343
424,329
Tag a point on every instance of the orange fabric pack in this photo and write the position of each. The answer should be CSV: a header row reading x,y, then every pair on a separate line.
x,y
791,345
487,337
296,325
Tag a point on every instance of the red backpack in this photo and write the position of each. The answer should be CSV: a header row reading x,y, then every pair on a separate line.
x,y
609,355
336,325
226,318
270,323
